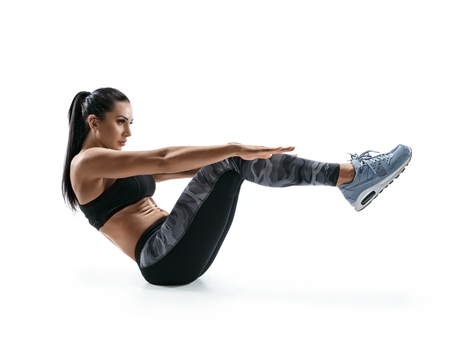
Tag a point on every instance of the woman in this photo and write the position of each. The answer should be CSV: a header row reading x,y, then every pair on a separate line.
x,y
114,188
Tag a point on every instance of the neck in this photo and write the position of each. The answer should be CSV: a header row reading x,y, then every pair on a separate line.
x,y
90,143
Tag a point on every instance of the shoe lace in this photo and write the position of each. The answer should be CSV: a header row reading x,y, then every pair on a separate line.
x,y
366,159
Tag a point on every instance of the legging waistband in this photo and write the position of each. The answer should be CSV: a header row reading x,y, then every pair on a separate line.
x,y
145,236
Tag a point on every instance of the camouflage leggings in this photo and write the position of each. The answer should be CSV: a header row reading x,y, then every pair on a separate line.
x,y
180,248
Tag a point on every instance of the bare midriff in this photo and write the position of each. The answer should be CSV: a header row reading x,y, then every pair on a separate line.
x,y
126,226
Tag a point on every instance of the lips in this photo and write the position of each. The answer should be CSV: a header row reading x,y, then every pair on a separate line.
x,y
122,143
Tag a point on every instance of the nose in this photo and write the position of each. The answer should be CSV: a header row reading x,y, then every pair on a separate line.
x,y
127,131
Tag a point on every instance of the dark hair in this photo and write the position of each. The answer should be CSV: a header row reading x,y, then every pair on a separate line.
x,y
99,102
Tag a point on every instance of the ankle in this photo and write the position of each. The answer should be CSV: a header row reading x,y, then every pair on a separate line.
x,y
346,174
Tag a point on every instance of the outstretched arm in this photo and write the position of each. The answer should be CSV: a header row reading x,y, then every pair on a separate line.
x,y
105,163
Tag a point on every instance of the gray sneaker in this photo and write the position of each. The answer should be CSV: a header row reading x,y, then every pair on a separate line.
x,y
374,174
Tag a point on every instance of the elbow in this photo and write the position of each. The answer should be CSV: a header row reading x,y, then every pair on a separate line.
x,y
163,165
164,161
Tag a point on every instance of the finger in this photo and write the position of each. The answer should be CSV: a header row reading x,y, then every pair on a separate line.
x,y
282,149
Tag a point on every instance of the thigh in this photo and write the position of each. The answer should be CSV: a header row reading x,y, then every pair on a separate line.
x,y
192,255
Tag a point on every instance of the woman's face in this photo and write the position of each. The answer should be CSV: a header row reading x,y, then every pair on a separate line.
x,y
113,131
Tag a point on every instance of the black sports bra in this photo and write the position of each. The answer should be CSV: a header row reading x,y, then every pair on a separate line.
x,y
122,193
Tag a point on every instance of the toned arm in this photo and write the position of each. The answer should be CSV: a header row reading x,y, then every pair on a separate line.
x,y
105,163
98,163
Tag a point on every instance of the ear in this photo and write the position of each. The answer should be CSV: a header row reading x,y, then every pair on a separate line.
x,y
93,121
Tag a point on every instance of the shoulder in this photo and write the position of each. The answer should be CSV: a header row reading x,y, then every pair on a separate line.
x,y
87,159
91,154
84,163
84,185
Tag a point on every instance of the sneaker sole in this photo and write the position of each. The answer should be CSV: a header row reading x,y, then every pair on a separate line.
x,y
367,196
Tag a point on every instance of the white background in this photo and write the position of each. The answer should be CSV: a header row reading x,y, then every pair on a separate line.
x,y
301,273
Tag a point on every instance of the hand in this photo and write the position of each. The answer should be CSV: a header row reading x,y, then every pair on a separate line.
x,y
252,152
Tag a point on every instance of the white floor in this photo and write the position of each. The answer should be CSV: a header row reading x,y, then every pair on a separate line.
x,y
292,283
301,273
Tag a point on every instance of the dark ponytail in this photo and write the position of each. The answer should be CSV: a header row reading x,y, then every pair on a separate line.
x,y
99,102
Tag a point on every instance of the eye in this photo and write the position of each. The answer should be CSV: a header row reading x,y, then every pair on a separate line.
x,y
121,121
131,122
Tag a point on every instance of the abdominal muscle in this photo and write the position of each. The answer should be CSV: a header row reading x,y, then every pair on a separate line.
x,y
126,226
